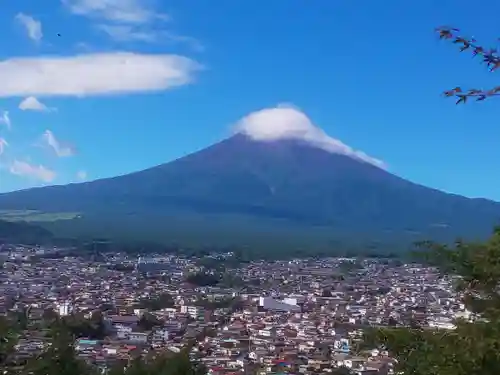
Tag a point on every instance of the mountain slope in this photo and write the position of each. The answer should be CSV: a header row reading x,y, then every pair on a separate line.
x,y
288,180
25,233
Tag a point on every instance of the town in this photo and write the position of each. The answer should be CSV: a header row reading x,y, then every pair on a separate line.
x,y
297,316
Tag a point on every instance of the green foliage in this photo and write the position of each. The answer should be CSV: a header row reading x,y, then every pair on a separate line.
x,y
162,301
93,328
22,232
473,348
162,364
478,264
148,322
59,356
348,266
252,238
203,279
212,263
232,303
35,216
8,338
247,240
229,280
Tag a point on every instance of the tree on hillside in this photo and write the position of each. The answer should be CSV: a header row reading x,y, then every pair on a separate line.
x,y
8,339
489,57
60,357
161,301
203,279
473,348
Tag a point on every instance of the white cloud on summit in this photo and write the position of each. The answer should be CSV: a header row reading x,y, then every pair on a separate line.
x,y
32,26
38,172
287,122
33,104
61,150
94,74
5,119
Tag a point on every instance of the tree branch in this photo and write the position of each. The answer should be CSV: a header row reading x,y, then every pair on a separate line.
x,y
490,57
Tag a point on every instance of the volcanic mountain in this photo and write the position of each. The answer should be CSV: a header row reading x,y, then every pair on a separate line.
x,y
277,184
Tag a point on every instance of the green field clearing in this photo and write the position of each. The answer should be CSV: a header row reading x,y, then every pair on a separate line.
x,y
36,216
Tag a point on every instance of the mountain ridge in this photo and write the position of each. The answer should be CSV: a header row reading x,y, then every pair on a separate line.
x,y
287,180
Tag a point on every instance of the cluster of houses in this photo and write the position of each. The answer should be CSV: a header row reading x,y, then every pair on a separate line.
x,y
294,317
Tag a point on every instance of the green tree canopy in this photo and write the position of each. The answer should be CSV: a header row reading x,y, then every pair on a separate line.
x,y
473,348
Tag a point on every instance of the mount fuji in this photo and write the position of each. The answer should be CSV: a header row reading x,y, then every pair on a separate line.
x,y
291,182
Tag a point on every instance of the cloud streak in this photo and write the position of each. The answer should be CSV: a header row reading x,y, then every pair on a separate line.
x,y
33,104
60,150
134,33
128,33
3,145
5,119
37,172
287,122
125,11
33,27
130,21
94,74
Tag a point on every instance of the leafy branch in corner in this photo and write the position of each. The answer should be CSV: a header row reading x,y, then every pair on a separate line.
x,y
490,57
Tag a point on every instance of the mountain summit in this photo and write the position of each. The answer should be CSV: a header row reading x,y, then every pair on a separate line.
x,y
286,122
287,181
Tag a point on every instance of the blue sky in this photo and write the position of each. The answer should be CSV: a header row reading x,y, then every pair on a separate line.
x,y
130,84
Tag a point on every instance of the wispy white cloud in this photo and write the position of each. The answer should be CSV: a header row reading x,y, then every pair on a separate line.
x,y
38,172
32,26
61,150
5,119
130,20
33,104
128,33
94,74
193,43
134,33
126,11
81,175
3,144
288,122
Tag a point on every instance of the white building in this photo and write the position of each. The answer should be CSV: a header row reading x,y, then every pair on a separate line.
x,y
65,308
269,303
194,312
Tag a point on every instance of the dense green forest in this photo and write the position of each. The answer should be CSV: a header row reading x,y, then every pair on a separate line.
x,y
32,234
23,232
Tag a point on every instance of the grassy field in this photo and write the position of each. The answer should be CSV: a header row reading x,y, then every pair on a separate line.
x,y
36,216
